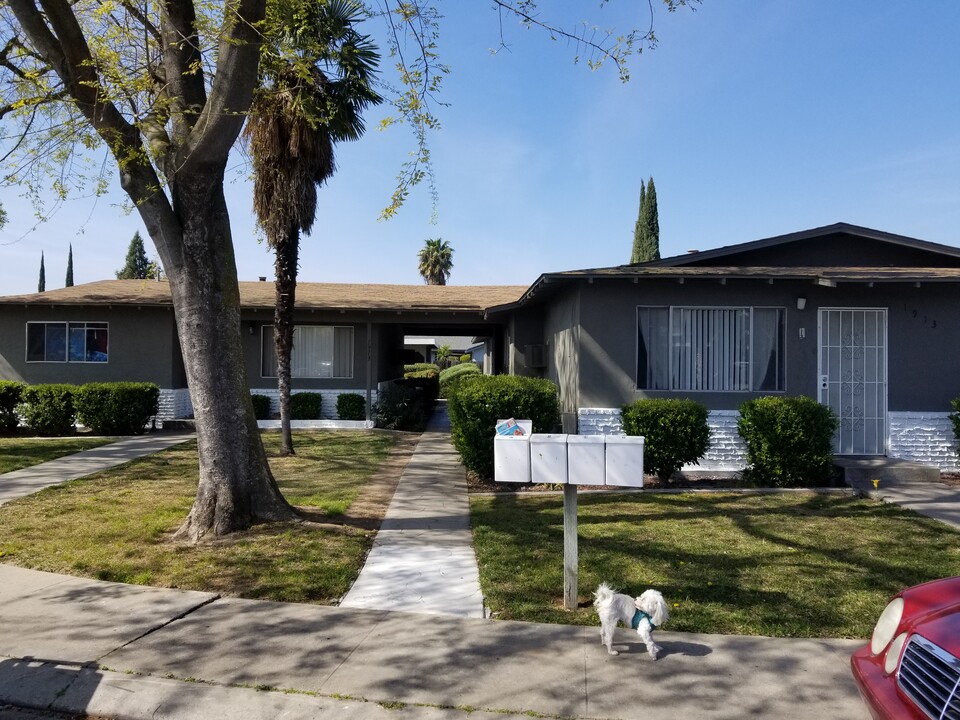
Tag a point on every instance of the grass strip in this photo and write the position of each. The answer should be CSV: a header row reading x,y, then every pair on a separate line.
x,y
780,565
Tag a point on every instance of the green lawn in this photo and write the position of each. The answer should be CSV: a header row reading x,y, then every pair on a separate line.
x,y
17,453
785,565
117,525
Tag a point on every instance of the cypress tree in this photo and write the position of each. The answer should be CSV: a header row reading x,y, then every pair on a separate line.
x,y
651,223
69,280
42,284
137,266
636,254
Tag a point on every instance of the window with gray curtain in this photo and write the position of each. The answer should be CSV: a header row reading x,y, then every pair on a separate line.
x,y
319,351
711,349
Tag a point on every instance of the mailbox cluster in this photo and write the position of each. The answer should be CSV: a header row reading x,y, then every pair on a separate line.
x,y
568,459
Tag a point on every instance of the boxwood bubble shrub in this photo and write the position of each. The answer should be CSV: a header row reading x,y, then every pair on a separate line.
x,y
11,392
675,433
305,406
48,409
351,406
789,441
451,377
481,400
261,406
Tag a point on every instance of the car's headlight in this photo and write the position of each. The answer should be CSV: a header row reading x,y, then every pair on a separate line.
x,y
886,626
893,653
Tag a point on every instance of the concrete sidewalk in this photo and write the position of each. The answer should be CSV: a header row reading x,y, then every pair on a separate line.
x,y
125,651
29,480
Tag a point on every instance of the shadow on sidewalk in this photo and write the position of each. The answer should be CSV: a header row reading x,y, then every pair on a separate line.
x,y
46,684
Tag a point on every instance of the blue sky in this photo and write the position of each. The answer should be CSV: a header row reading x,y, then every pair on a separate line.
x,y
754,118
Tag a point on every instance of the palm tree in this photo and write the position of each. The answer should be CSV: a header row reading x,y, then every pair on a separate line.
x,y
436,262
310,98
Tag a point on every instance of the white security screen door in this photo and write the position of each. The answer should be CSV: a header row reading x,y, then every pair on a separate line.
x,y
853,377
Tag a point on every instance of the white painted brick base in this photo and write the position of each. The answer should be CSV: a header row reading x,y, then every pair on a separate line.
x,y
923,437
175,404
918,437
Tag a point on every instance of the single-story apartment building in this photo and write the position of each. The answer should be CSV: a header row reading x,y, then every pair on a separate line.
x,y
864,321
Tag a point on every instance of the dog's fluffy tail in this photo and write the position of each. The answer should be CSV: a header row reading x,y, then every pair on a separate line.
x,y
603,594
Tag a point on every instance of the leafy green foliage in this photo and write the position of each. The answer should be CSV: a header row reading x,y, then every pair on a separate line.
x,y
401,406
675,432
48,409
10,394
646,231
119,408
435,263
451,377
789,441
482,400
137,266
305,406
261,406
955,418
408,370
351,406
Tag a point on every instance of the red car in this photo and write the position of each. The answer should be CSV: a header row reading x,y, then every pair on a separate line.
x,y
911,667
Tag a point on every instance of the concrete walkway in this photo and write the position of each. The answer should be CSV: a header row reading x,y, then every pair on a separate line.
x,y
409,641
29,480
422,560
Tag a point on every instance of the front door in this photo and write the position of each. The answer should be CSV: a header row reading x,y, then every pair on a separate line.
x,y
853,377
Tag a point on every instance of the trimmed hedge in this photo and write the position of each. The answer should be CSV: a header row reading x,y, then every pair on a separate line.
x,y
675,433
261,406
351,406
451,377
305,406
48,409
11,392
483,399
421,368
789,441
116,408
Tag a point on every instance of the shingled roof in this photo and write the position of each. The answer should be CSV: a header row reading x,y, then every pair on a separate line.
x,y
260,295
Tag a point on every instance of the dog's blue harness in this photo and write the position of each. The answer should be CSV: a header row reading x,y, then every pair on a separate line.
x,y
641,615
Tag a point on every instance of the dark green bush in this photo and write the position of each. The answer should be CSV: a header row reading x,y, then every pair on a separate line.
x,y
675,433
48,409
481,400
261,406
789,441
351,406
421,368
10,394
451,377
305,406
400,406
955,419
118,408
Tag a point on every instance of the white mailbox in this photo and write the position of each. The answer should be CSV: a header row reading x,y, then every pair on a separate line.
x,y
511,454
585,459
624,460
548,458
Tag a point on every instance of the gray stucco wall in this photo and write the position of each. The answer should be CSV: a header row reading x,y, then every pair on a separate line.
x,y
142,346
922,346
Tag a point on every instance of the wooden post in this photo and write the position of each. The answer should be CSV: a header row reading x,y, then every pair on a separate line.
x,y
570,555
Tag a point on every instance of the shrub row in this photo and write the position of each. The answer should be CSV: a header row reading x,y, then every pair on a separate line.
x,y
451,377
789,439
307,406
120,408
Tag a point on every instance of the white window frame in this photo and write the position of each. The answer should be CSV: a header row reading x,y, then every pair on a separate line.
x,y
68,325
669,358
266,336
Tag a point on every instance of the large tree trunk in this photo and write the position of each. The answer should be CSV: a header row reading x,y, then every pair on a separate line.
x,y
236,487
285,267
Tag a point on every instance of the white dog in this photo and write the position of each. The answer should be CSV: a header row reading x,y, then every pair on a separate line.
x,y
644,614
